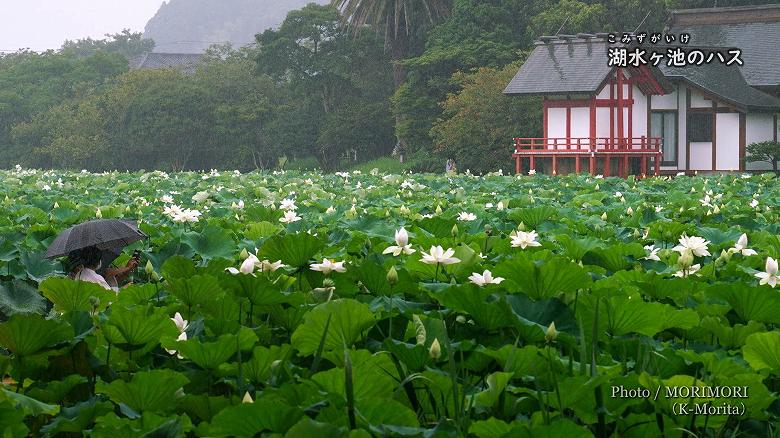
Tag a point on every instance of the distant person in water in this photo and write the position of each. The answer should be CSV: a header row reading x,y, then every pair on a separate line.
x,y
85,263
450,167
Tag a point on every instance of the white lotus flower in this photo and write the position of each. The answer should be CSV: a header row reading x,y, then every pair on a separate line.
x,y
180,322
500,206
754,203
466,216
327,266
401,244
652,253
524,239
697,245
46,187
330,210
288,204
485,278
438,256
266,266
167,199
289,217
239,206
182,337
187,215
200,196
684,273
741,246
769,277
532,172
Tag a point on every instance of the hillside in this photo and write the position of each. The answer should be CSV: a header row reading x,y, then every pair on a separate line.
x,y
190,26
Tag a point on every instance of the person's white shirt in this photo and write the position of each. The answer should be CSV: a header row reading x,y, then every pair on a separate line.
x,y
87,274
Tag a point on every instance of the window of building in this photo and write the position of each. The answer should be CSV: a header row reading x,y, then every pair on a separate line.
x,y
663,124
699,127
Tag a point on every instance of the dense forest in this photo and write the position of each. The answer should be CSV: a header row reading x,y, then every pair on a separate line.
x,y
333,85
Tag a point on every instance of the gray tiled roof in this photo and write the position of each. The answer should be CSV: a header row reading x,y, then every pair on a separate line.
x,y
185,62
576,66
725,82
759,42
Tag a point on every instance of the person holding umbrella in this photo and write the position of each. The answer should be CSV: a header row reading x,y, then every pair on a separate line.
x,y
92,246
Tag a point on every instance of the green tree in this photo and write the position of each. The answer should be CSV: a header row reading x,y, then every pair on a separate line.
x,y
479,122
126,43
765,151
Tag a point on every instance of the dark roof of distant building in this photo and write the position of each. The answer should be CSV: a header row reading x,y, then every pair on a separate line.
x,y
755,30
568,64
724,82
185,62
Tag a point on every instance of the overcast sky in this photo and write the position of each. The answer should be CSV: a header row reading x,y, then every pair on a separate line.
x,y
46,24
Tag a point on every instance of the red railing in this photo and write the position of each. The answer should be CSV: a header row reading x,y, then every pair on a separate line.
x,y
606,148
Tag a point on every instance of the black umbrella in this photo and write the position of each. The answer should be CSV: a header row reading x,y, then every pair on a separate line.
x,y
105,234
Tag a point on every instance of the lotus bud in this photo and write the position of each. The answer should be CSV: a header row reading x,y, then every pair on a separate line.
x,y
56,205
551,333
392,276
500,205
419,329
94,302
244,254
460,319
521,227
98,213
328,282
604,216
435,350
715,210
438,209
630,211
275,364
454,230
149,268
597,187
155,277
686,259
247,398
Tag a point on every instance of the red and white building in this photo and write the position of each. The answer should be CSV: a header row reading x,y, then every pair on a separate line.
x,y
648,120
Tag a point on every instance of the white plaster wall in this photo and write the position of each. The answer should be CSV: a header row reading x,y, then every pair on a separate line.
x,y
602,122
556,122
758,127
697,101
727,141
666,102
701,155
580,123
639,116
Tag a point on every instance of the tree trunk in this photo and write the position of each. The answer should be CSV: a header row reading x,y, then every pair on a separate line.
x,y
399,76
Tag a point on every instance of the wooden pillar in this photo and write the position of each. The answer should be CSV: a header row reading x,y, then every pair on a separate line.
x,y
630,138
644,146
518,165
592,163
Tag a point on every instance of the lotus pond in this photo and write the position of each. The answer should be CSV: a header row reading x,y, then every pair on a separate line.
x,y
301,304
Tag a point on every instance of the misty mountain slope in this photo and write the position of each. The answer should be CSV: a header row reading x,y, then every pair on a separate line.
x,y
190,26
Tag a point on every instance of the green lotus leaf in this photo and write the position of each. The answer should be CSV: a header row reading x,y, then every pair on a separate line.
x,y
383,411
615,257
348,321
77,418
489,312
249,419
199,290
534,216
751,303
178,267
28,405
259,290
260,230
133,328
372,377
12,421
25,335
295,250
74,296
762,351
212,242
496,383
147,391
38,267
210,355
555,276
18,297
258,368
149,425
